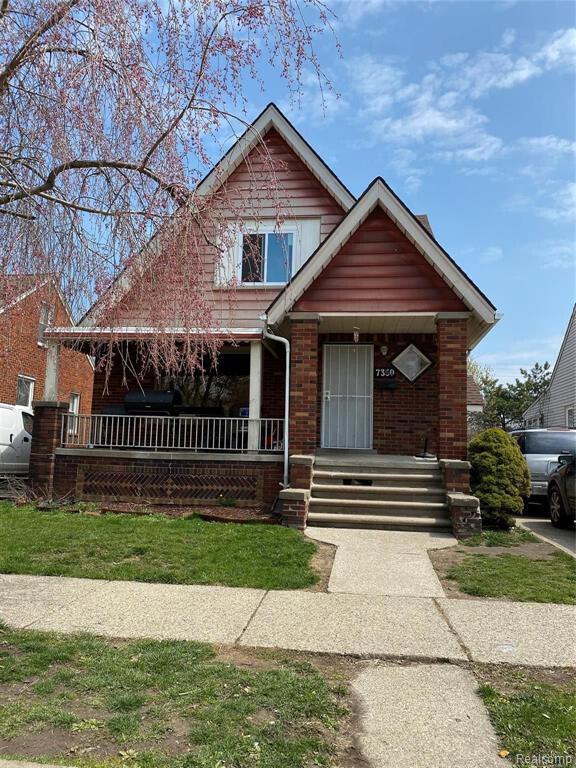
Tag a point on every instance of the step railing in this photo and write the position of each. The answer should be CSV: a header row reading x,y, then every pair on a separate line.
x,y
160,433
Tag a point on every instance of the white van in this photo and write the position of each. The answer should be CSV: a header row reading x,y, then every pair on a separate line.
x,y
15,438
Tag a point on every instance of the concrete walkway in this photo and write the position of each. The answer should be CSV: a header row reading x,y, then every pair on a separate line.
x,y
433,718
424,628
394,563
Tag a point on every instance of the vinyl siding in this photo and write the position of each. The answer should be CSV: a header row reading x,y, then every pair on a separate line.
x,y
379,270
300,195
550,408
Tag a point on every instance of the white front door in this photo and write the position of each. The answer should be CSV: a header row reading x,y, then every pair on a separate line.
x,y
347,396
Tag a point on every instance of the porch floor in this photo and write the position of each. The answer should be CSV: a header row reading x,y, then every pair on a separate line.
x,y
335,457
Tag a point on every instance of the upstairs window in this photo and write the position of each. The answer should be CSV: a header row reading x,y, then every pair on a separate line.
x,y
267,257
44,321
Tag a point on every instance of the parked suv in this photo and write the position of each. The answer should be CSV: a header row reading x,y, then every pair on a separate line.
x,y
562,492
15,439
541,447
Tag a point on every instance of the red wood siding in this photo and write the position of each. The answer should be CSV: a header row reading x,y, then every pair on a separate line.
x,y
300,195
379,270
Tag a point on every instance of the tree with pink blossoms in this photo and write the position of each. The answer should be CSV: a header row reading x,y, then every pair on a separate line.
x,y
110,115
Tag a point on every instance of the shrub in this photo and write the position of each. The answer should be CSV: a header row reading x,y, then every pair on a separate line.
x,y
499,477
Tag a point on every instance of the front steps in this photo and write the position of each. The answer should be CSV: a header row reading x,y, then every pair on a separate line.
x,y
381,492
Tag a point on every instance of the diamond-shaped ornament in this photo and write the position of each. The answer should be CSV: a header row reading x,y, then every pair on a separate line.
x,y
411,362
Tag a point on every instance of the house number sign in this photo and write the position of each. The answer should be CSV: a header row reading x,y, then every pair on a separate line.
x,y
385,378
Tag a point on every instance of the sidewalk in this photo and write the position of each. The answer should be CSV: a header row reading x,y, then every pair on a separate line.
x,y
424,628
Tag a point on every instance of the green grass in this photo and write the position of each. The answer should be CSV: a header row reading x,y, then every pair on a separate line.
x,y
512,538
518,578
153,548
160,704
538,719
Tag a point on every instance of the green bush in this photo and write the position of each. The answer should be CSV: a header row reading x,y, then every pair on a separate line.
x,y
500,477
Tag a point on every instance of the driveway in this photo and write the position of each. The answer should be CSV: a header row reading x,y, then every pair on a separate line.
x,y
562,538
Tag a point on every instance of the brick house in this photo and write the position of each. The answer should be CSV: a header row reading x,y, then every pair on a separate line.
x,y
28,305
345,363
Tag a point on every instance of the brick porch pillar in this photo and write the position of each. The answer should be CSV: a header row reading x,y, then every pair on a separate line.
x,y
452,418
303,386
45,439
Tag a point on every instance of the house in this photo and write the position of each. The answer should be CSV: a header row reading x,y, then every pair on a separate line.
x,y
342,385
474,399
28,305
556,407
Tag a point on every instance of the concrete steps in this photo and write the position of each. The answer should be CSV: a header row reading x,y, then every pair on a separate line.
x,y
384,492
378,522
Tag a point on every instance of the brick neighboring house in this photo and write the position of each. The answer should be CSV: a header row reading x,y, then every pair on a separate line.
x,y
28,305
375,321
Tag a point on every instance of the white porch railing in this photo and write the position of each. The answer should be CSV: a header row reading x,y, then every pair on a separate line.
x,y
190,433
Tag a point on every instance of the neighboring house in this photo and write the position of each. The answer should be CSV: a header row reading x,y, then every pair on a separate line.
x,y
474,399
556,407
28,305
377,318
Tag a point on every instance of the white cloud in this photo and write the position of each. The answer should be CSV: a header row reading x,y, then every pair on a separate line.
x,y
508,38
404,162
562,205
317,103
506,364
440,110
557,254
547,145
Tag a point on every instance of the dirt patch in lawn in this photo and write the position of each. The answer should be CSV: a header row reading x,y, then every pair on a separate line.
x,y
322,562
444,559
509,680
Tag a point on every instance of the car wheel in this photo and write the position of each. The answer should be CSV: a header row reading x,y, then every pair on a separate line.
x,y
556,508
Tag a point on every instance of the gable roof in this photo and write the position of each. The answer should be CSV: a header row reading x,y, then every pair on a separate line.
x,y
473,394
380,194
271,117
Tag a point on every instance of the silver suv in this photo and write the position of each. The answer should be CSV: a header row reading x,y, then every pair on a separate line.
x,y
541,447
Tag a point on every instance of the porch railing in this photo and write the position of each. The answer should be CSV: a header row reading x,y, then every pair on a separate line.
x,y
190,433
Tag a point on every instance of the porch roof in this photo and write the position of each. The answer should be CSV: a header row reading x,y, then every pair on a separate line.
x,y
76,334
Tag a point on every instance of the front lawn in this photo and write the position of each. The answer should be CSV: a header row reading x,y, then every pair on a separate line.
x,y
153,548
510,565
518,578
533,713
161,704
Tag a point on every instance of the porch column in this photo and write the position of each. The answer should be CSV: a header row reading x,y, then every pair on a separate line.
x,y
452,341
51,377
304,386
255,396
46,435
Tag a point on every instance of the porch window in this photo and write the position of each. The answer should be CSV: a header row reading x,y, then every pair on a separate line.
x,y
25,391
267,257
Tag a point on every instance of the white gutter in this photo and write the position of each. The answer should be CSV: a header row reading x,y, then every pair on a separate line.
x,y
286,343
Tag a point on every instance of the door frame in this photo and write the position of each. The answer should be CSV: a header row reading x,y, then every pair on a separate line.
x,y
371,388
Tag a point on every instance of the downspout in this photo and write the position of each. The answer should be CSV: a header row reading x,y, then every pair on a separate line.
x,y
286,343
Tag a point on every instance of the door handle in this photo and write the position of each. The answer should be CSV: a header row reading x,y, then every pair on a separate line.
x,y
11,437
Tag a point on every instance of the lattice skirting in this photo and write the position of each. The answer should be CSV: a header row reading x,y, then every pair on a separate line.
x,y
175,485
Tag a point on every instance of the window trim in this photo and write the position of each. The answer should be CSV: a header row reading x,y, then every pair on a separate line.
x,y
73,422
32,381
266,230
567,410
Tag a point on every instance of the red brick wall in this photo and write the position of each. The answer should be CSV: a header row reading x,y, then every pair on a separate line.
x,y
20,353
273,378
405,415
304,386
66,470
120,381
452,352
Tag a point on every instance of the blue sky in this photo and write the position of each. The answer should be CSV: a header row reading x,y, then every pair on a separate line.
x,y
467,109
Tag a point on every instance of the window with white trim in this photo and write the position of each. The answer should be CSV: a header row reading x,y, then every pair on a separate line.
x,y
263,253
570,416
73,410
25,391
46,312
